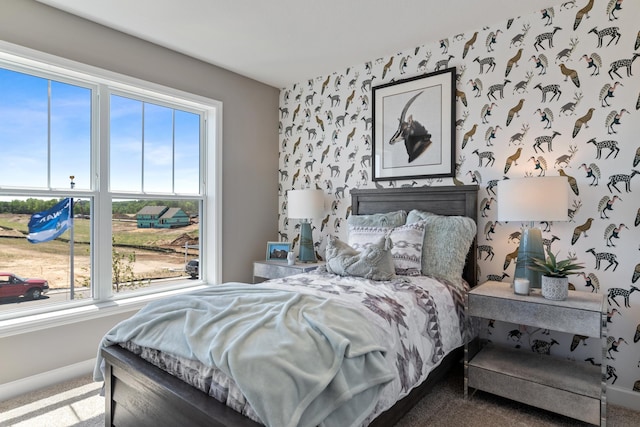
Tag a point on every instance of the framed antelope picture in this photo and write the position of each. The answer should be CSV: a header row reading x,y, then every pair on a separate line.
x,y
414,127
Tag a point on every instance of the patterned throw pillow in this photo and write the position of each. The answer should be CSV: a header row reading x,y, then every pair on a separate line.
x,y
373,262
447,240
407,244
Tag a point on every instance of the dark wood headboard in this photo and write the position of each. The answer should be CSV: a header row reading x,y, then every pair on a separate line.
x,y
450,200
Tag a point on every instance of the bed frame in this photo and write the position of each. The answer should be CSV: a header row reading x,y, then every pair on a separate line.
x,y
138,393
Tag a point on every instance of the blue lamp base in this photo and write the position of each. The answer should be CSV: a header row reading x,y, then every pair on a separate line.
x,y
307,253
530,247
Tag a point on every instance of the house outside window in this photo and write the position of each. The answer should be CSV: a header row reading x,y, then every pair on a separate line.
x,y
130,157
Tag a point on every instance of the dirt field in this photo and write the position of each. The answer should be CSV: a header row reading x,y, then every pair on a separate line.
x,y
50,260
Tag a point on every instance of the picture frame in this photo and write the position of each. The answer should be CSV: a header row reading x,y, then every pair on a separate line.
x,y
414,127
277,251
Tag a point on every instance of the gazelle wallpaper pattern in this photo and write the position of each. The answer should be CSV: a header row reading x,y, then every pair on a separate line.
x,y
551,93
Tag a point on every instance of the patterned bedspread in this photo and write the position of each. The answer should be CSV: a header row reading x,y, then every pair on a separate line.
x,y
419,320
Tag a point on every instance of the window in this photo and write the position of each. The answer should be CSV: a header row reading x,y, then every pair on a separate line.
x,y
45,127
154,148
122,166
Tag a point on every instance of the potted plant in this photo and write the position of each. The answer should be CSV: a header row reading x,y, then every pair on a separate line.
x,y
554,282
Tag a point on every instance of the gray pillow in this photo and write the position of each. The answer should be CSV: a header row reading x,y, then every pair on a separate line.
x,y
447,240
374,262
406,252
389,219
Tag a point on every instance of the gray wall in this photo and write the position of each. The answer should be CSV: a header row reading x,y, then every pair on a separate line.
x,y
250,156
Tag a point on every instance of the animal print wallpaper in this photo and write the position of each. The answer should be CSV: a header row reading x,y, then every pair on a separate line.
x,y
550,93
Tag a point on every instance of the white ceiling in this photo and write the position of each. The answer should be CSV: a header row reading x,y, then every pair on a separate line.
x,y
281,42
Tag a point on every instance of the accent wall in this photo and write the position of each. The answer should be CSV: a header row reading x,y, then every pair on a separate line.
x,y
550,93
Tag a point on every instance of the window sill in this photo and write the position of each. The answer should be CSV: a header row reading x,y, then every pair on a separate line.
x,y
52,319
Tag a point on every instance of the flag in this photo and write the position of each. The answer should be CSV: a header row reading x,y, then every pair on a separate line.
x,y
49,224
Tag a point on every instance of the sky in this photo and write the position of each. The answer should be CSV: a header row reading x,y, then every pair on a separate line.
x,y
46,139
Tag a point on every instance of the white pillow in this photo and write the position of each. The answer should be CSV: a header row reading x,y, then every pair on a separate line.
x,y
407,242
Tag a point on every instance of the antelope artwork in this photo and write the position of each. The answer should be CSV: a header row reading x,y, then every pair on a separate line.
x,y
416,138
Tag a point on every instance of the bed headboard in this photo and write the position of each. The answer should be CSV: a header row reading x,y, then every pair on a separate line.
x,y
441,200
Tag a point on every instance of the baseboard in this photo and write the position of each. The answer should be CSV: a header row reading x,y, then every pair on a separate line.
x,y
623,397
45,379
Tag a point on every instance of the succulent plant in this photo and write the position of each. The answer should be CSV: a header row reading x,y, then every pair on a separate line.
x,y
554,268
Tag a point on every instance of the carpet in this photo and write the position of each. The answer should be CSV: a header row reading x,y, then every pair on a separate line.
x,y
76,402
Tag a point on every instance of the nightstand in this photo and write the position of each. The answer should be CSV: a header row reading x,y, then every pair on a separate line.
x,y
574,389
265,270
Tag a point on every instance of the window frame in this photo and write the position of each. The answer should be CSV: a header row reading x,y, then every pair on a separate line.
x,y
104,302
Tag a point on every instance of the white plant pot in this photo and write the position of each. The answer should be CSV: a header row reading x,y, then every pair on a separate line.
x,y
555,288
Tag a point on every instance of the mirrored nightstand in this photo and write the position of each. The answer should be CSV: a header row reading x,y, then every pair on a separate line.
x,y
265,270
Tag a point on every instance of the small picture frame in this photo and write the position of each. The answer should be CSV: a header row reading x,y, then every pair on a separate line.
x,y
277,251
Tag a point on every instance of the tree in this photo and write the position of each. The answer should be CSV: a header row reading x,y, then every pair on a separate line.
x,y
122,269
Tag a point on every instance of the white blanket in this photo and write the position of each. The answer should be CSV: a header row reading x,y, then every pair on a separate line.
x,y
299,359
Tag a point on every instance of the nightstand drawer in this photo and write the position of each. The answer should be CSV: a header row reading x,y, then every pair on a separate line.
x,y
265,270
580,313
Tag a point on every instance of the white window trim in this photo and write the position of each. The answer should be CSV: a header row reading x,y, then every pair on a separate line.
x,y
84,312
104,303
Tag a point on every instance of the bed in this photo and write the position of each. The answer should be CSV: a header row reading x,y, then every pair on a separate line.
x,y
138,393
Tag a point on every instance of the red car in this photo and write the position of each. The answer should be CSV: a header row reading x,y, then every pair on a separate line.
x,y
15,286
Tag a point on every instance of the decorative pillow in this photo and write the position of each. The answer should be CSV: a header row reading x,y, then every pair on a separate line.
x,y
447,240
389,219
416,215
374,262
407,244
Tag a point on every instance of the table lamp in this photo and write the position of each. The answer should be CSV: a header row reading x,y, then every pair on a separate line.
x,y
532,199
305,205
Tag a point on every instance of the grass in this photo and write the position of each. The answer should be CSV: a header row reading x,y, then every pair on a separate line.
x,y
52,247
20,222
125,232
51,259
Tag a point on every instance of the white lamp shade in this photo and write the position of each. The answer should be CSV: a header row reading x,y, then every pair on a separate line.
x,y
533,199
305,204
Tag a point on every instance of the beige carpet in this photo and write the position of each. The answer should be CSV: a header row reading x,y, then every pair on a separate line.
x,y
73,403
77,403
